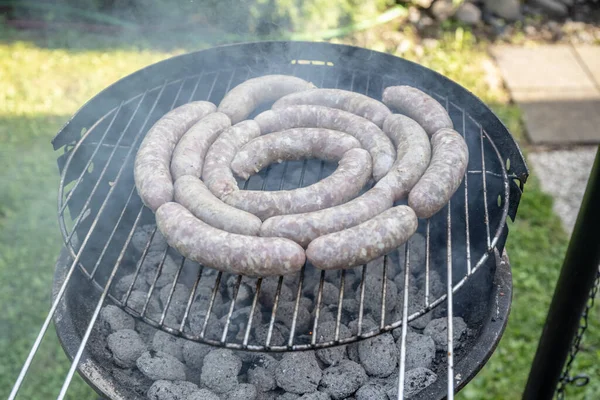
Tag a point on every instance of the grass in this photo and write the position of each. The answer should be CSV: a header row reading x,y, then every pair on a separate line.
x,y
43,86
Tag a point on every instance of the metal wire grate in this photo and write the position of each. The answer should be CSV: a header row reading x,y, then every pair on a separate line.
x,y
97,189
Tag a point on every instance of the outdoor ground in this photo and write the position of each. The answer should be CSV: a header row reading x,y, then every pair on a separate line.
x,y
43,84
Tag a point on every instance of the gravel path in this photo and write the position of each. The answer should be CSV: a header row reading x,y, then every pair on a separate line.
x,y
564,174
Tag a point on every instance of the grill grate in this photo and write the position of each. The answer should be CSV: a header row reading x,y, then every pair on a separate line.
x,y
97,189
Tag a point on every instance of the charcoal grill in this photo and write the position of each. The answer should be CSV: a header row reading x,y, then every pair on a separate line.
x,y
99,213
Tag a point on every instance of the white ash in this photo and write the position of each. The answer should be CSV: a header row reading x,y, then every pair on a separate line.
x,y
169,344
141,236
124,283
202,394
126,347
367,325
245,291
437,329
194,353
415,381
298,372
289,396
268,289
137,300
378,355
371,391
220,370
373,296
420,350
262,378
115,319
326,332
239,319
171,390
285,313
343,379
279,335
325,315
158,365
214,327
244,391
330,293
315,396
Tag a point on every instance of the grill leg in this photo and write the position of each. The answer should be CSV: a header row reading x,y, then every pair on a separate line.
x,y
570,296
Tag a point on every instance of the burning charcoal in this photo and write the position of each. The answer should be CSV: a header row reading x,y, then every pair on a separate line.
x,y
326,332
330,293
279,336
171,390
372,300
420,350
145,330
239,319
142,235
244,391
116,319
245,291
202,394
268,288
285,313
415,380
136,302
169,344
315,396
438,330
378,355
220,370
342,380
126,347
298,372
150,266
194,353
123,284
157,365
367,325
372,391
262,378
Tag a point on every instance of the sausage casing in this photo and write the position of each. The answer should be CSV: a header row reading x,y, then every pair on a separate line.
x,y
217,174
449,161
421,107
303,228
224,251
152,172
291,144
191,193
353,172
188,156
355,103
240,101
365,242
413,153
368,134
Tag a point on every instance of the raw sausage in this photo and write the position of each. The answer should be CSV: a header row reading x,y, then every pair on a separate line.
x,y
224,251
302,228
217,174
240,101
189,153
191,193
421,107
152,163
353,172
368,134
292,144
355,103
365,242
442,178
413,153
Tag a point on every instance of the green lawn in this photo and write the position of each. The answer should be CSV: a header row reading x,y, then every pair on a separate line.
x,y
42,87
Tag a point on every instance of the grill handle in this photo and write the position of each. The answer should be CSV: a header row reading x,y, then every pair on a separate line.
x,y
577,278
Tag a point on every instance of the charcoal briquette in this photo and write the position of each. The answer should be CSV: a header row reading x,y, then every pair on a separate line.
x,y
170,344
371,391
420,350
244,391
343,379
126,346
171,390
158,365
437,329
220,370
378,355
326,332
298,372
116,319
194,353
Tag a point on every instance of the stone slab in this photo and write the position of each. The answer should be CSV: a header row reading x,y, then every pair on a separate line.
x,y
590,56
541,68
